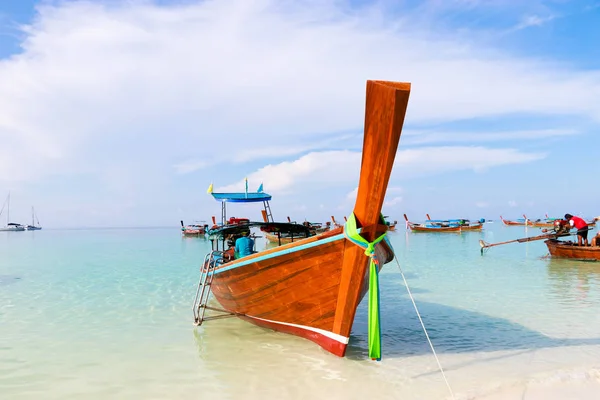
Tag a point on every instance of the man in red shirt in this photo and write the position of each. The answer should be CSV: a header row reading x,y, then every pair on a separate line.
x,y
582,228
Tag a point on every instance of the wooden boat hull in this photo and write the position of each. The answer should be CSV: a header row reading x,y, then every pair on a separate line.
x,y
516,223
543,224
311,288
418,228
558,248
474,227
302,283
272,237
193,232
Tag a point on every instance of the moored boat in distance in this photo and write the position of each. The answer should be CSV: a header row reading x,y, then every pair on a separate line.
x,y
335,223
465,224
10,226
287,233
311,288
432,226
391,225
193,229
516,222
34,218
317,227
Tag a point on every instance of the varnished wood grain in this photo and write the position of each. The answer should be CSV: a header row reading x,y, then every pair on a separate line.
x,y
321,286
385,110
559,249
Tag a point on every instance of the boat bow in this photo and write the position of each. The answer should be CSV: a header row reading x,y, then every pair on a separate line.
x,y
312,287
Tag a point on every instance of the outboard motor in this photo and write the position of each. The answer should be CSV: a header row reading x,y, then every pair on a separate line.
x,y
561,226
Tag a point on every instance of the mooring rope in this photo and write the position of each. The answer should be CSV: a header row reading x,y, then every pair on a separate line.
x,y
425,329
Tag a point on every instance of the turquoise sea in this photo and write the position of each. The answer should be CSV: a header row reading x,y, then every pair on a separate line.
x,y
107,314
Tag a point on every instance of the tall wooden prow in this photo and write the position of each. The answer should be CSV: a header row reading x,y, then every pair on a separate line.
x,y
385,110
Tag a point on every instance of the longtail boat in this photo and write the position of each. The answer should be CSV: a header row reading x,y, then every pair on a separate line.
x,y
391,225
471,226
549,222
541,223
282,238
317,227
465,224
288,237
557,248
516,222
193,229
563,249
311,288
284,234
335,223
432,227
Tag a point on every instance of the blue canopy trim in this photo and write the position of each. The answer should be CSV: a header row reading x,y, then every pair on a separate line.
x,y
241,197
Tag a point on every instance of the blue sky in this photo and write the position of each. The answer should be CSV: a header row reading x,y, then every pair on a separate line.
x,y
121,113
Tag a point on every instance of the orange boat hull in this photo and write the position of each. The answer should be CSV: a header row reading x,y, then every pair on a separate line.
x,y
418,228
558,248
271,237
311,288
474,227
515,223
302,283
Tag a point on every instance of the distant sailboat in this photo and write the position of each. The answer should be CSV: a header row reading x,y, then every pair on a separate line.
x,y
34,219
10,226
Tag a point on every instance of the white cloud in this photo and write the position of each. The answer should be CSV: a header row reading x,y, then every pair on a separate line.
x,y
164,83
352,195
313,170
512,203
189,166
393,201
126,94
533,20
428,160
244,154
324,170
420,137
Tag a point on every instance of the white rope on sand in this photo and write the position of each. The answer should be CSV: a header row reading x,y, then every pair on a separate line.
x,y
424,329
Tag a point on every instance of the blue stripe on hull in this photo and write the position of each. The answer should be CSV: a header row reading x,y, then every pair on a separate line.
x,y
280,253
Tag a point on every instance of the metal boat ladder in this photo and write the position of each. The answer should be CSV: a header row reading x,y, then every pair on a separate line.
x,y
212,261
268,213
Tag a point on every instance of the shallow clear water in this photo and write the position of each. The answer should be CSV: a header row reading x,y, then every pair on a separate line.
x,y
101,314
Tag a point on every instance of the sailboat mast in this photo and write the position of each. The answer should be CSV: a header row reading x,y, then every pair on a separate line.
x,y
8,210
32,214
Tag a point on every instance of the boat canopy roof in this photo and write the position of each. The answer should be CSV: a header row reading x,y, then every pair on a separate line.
x,y
282,227
242,197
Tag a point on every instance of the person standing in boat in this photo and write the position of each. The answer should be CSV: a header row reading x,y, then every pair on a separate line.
x,y
581,226
244,246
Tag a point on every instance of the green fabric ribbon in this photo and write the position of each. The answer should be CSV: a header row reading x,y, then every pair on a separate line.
x,y
351,232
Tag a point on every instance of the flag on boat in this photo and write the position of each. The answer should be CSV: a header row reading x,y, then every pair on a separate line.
x,y
260,188
210,189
